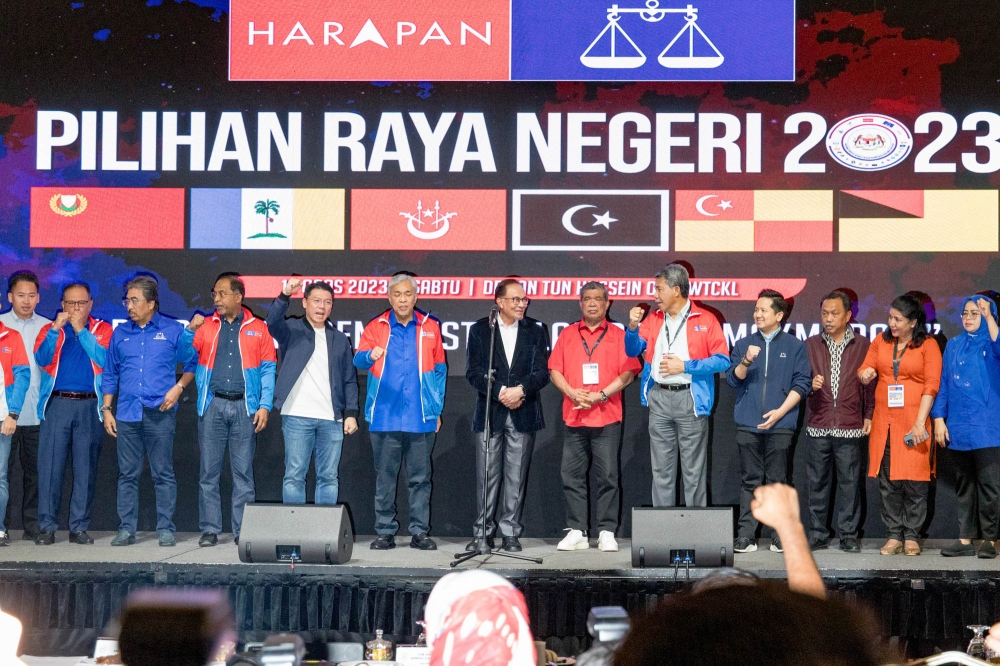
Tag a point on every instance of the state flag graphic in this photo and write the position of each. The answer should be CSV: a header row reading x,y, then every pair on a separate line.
x,y
592,220
919,221
267,219
429,220
149,218
754,221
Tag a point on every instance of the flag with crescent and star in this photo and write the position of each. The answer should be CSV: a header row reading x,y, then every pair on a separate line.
x,y
754,221
594,220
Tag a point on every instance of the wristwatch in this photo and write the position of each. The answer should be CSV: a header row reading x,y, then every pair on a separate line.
x,y
604,396
745,363
13,415
106,408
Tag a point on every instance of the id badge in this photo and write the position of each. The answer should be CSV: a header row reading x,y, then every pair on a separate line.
x,y
895,395
590,374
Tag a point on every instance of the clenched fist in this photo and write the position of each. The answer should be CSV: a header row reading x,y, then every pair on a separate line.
x,y
292,286
635,315
818,382
866,375
196,322
60,321
752,352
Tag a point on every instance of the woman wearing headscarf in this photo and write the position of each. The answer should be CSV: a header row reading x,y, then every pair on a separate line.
x,y
900,452
477,617
970,390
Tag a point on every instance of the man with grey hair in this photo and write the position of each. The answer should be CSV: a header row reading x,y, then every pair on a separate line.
x,y
141,368
404,355
684,347
590,367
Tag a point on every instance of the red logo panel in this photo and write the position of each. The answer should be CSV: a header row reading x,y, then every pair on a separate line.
x,y
360,40
429,220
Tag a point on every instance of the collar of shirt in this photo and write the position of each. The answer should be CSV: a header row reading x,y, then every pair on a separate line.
x,y
236,322
585,330
154,322
512,327
831,343
395,322
680,315
770,336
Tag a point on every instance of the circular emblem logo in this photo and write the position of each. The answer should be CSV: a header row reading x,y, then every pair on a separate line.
x,y
68,204
869,142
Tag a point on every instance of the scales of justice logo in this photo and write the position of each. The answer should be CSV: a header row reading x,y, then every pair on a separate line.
x,y
626,54
434,227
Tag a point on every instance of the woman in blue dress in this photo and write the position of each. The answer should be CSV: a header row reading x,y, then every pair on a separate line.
x,y
968,399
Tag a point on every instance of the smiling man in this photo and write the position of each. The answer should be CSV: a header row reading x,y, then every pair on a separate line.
x,y
770,372
520,354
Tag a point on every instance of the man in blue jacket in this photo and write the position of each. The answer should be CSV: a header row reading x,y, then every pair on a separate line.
x,y
316,391
770,372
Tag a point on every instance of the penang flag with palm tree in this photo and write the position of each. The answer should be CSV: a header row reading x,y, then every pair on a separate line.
x,y
267,219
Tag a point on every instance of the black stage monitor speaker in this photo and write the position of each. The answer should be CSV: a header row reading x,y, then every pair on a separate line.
x,y
678,536
296,533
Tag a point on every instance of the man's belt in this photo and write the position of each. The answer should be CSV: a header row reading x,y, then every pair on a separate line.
x,y
674,387
232,397
74,395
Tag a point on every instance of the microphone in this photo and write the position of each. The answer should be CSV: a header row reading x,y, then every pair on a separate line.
x,y
494,311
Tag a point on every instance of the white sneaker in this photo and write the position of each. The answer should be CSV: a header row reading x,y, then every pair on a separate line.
x,y
606,542
574,541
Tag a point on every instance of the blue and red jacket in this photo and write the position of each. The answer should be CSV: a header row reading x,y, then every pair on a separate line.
x,y
256,354
433,369
94,339
706,346
16,372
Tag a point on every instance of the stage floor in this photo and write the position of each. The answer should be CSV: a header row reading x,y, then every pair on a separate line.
x,y
404,561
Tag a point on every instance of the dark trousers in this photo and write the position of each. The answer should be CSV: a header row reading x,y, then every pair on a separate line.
x,y
71,429
763,460
510,455
154,436
977,486
904,503
225,424
827,454
580,446
390,449
24,445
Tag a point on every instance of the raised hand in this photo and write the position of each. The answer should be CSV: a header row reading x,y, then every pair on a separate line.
x,y
635,315
60,321
984,308
196,322
751,354
78,320
292,286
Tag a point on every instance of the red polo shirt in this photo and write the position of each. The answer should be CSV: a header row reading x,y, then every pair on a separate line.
x,y
568,357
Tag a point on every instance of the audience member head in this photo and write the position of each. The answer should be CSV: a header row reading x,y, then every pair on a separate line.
x,y
22,293
751,623
477,617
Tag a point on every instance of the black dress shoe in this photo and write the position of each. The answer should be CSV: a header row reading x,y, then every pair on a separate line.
x,y
987,551
511,544
236,540
81,538
423,542
850,545
29,535
208,539
473,545
45,538
959,549
816,543
384,542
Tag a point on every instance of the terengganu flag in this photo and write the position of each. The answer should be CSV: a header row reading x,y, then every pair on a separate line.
x,y
107,217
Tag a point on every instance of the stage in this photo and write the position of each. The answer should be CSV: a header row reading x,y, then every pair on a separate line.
x,y
66,593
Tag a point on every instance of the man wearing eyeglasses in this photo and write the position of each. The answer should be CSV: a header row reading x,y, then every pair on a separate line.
x,y
71,359
235,375
142,369
520,363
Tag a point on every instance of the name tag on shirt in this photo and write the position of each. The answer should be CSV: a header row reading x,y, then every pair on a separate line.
x,y
590,373
895,395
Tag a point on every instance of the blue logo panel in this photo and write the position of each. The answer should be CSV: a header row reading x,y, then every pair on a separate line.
x,y
653,40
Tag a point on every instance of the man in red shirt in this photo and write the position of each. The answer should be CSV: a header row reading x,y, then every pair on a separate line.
x,y
589,365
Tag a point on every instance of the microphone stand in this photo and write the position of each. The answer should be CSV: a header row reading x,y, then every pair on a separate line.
x,y
484,546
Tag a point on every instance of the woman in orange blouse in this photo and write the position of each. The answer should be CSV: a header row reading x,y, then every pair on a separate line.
x,y
900,447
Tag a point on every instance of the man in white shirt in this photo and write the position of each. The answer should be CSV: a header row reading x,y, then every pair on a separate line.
x,y
316,391
22,294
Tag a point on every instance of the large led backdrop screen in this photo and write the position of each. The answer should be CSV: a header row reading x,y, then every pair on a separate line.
x,y
802,146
